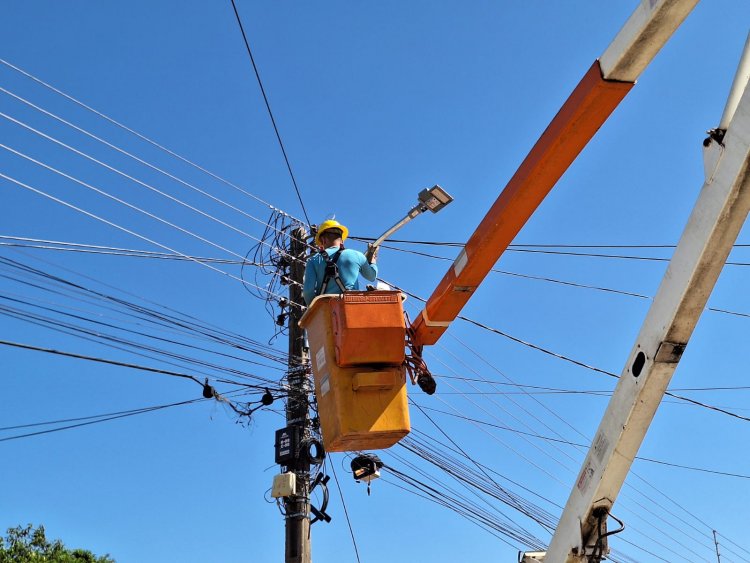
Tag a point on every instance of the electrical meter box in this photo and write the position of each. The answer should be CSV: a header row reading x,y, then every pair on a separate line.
x,y
287,444
362,404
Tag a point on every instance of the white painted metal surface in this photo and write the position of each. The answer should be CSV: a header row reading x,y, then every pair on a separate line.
x,y
738,86
711,231
645,32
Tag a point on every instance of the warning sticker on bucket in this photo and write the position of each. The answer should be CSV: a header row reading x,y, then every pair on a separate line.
x,y
320,358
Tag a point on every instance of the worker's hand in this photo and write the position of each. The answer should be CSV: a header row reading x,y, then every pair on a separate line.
x,y
372,253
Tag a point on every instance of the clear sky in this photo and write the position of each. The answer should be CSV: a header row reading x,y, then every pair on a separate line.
x,y
374,101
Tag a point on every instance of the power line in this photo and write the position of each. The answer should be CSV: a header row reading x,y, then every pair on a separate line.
x,y
18,300
124,229
99,360
578,445
130,155
142,137
579,433
571,360
270,113
346,512
113,416
564,421
139,182
162,318
124,175
593,368
511,248
516,245
109,340
27,242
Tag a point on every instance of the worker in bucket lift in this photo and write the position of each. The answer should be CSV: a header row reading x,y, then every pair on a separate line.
x,y
333,266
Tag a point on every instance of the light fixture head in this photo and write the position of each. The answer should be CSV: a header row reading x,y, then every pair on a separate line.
x,y
434,198
366,467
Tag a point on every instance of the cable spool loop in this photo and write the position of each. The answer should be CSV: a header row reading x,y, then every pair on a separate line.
x,y
314,451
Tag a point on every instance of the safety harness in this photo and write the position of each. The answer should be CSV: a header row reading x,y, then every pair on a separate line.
x,y
331,271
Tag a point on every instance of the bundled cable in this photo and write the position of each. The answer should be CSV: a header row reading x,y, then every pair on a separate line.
x,y
415,365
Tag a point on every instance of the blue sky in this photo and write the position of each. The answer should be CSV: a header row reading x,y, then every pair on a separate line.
x,y
374,101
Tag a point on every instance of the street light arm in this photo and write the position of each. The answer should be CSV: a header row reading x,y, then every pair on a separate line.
x,y
432,199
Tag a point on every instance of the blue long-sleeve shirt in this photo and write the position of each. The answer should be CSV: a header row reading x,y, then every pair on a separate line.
x,y
351,265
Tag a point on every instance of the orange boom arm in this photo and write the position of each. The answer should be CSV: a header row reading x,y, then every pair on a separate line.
x,y
584,112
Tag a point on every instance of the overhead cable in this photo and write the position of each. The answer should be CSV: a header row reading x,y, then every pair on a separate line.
x,y
101,418
132,156
139,135
579,445
164,317
124,229
270,113
346,512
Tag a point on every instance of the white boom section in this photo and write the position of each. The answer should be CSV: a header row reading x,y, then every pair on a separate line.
x,y
642,36
712,229
741,79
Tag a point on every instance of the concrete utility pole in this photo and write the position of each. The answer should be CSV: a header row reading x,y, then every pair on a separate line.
x,y
297,507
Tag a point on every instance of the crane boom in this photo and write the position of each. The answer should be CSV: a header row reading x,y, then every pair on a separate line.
x,y
596,96
711,231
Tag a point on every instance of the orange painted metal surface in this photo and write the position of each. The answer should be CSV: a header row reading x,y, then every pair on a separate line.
x,y
583,113
368,328
363,407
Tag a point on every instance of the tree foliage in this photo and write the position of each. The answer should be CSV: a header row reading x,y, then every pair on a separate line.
x,y
29,544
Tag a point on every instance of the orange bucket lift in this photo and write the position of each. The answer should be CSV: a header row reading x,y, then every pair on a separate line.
x,y
357,342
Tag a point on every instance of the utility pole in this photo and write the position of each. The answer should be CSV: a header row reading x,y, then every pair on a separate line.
x,y
297,507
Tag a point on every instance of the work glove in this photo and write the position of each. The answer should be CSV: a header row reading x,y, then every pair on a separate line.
x,y
372,253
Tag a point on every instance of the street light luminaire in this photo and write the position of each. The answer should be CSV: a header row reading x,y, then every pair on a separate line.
x,y
434,198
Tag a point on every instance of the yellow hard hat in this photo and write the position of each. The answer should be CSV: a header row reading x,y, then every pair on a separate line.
x,y
330,224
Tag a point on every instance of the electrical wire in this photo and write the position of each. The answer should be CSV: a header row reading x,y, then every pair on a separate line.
x,y
593,368
579,445
101,418
163,318
279,231
192,346
685,547
124,229
535,248
346,512
465,508
131,156
141,136
129,346
126,176
270,113
99,360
